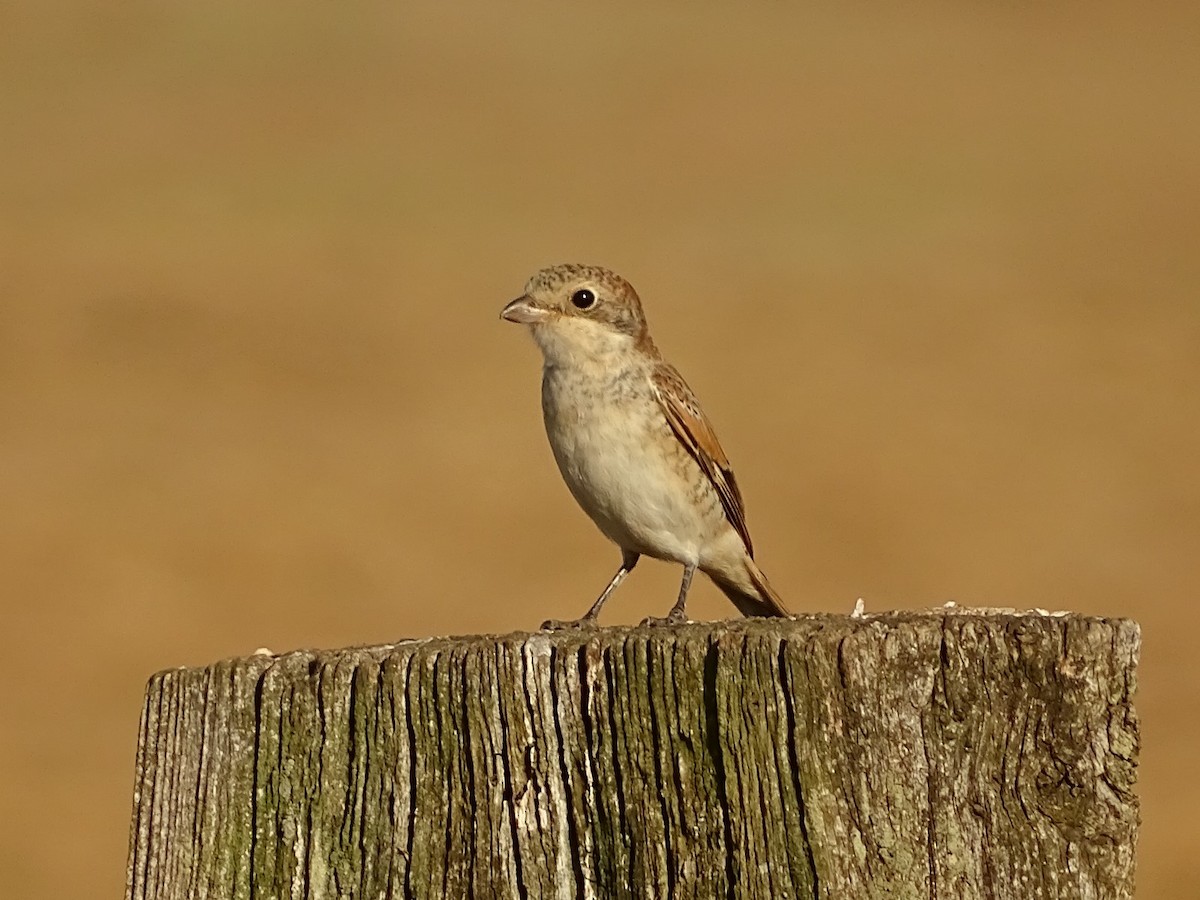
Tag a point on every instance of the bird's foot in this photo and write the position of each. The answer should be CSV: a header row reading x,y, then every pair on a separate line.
x,y
674,617
569,624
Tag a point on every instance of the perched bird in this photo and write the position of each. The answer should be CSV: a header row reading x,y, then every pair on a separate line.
x,y
632,442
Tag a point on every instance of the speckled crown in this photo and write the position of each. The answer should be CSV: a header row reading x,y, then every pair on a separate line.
x,y
624,309
550,279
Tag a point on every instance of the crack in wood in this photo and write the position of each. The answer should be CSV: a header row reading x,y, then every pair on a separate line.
x,y
975,755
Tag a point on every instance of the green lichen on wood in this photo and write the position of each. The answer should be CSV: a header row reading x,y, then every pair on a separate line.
x,y
944,755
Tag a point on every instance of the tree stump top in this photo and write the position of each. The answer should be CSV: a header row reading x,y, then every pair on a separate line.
x,y
943,753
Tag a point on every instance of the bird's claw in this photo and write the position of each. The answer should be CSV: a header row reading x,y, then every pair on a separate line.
x,y
672,618
568,624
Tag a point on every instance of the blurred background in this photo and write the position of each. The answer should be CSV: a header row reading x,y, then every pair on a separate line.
x,y
934,272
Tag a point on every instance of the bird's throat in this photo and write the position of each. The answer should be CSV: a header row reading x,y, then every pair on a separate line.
x,y
577,343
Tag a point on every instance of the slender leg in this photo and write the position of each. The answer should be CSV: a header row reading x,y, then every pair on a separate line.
x,y
628,561
676,616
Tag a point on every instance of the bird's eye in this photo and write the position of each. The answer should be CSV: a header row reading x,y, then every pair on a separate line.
x,y
583,299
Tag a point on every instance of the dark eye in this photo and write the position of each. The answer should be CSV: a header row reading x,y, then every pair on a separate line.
x,y
583,299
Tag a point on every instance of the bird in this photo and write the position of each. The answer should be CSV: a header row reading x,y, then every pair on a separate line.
x,y
632,442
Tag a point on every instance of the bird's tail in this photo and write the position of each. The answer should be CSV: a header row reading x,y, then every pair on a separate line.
x,y
750,591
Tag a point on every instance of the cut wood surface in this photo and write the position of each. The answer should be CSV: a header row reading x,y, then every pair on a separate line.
x,y
949,754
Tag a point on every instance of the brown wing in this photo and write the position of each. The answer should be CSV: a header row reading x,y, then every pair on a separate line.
x,y
692,428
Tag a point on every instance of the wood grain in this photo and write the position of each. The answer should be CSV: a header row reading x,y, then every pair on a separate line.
x,y
953,754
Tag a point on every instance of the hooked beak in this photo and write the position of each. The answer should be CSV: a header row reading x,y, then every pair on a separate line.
x,y
524,311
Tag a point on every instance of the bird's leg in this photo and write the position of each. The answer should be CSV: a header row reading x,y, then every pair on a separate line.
x,y
628,561
676,616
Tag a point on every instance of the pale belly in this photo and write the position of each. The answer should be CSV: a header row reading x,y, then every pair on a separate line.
x,y
628,471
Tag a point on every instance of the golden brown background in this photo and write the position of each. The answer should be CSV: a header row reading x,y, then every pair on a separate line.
x,y
934,271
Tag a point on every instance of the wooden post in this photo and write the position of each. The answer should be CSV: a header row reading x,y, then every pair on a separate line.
x,y
953,754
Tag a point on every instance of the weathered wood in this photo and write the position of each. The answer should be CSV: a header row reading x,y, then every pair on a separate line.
x,y
943,755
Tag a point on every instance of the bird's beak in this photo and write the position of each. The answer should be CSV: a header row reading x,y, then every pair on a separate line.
x,y
524,311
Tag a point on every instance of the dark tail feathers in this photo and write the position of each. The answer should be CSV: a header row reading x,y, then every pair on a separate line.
x,y
757,598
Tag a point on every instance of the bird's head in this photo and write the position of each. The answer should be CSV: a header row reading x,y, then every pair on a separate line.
x,y
575,310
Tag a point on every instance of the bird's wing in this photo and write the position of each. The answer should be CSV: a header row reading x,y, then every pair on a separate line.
x,y
695,432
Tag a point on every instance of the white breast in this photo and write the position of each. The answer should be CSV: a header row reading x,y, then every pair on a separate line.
x,y
622,464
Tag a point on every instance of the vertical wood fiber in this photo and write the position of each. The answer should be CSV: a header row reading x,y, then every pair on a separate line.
x,y
943,755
